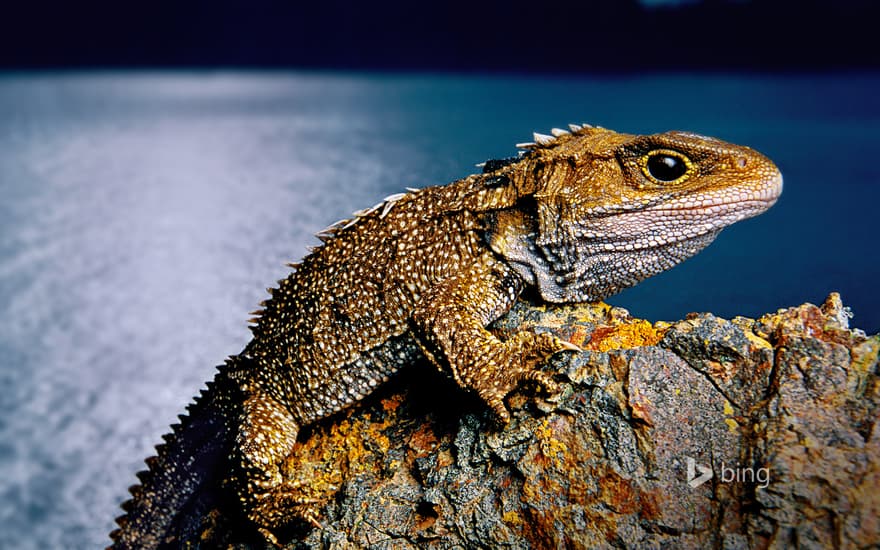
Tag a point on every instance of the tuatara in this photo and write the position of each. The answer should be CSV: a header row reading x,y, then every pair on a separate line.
x,y
578,215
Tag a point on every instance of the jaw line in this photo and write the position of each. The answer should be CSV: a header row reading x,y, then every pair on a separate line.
x,y
705,238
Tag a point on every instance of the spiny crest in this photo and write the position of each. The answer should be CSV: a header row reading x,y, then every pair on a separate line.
x,y
333,230
254,321
257,315
159,461
153,463
325,236
385,205
548,140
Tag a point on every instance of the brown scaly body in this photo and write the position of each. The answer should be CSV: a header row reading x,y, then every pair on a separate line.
x,y
580,215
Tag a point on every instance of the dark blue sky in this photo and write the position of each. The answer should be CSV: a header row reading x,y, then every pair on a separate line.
x,y
501,35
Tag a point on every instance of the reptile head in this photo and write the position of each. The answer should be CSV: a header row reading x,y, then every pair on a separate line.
x,y
600,210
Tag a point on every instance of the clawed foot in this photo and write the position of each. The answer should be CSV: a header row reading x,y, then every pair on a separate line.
x,y
282,506
307,516
518,360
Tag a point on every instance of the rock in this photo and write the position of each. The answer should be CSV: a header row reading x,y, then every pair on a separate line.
x,y
701,433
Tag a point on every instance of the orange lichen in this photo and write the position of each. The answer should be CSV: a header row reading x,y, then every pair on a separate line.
x,y
551,447
628,335
579,336
512,518
341,449
618,493
423,441
650,504
392,403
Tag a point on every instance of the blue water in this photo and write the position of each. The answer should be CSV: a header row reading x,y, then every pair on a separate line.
x,y
143,215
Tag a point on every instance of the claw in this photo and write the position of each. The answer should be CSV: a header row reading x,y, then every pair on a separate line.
x,y
568,346
270,537
313,520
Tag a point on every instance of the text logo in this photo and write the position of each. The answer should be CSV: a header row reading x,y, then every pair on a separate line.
x,y
697,474
695,480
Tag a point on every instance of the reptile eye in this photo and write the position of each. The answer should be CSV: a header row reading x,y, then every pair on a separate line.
x,y
665,166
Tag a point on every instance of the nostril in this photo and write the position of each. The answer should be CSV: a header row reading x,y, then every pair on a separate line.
x,y
741,162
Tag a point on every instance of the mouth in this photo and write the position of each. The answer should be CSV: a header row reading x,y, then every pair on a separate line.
x,y
746,202
685,219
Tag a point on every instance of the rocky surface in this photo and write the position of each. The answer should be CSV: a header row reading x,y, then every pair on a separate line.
x,y
780,411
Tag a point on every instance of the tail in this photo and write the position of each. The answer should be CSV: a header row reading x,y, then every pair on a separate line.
x,y
181,482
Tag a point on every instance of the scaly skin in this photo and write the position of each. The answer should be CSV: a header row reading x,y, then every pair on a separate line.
x,y
580,215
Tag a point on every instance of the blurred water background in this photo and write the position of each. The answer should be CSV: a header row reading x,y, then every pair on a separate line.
x,y
143,214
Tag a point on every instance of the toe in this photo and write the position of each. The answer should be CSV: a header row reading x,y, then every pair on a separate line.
x,y
543,379
497,405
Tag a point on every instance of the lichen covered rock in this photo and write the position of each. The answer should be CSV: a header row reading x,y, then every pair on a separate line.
x,y
701,433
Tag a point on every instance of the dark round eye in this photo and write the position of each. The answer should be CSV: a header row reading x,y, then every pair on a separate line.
x,y
666,166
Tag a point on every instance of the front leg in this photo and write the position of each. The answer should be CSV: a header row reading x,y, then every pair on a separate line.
x,y
450,321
